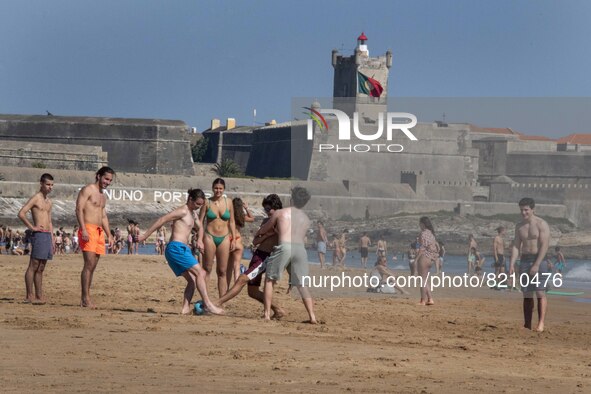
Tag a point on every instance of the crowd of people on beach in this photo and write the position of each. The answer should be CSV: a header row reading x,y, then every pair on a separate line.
x,y
205,234
16,242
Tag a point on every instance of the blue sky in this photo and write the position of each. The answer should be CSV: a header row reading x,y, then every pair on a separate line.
x,y
194,60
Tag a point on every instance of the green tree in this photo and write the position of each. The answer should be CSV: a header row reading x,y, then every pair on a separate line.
x,y
228,168
198,149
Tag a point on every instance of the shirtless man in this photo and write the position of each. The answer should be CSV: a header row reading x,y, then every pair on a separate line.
x,y
41,238
161,240
343,246
364,244
499,253
130,232
135,237
94,224
382,247
532,236
291,224
321,242
178,253
253,275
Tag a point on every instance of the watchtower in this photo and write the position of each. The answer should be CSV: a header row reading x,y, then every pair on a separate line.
x,y
361,82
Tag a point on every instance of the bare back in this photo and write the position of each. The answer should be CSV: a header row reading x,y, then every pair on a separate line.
x,y
364,241
321,235
292,225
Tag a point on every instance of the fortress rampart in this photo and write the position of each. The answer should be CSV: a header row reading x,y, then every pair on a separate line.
x,y
133,145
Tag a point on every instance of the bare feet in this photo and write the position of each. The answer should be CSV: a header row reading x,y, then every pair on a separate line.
x,y
312,321
27,301
87,304
211,308
39,301
540,327
278,313
186,311
422,303
430,302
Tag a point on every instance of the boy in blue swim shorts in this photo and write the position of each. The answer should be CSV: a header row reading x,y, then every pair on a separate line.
x,y
178,253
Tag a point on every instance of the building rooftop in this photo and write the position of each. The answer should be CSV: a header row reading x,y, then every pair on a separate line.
x,y
237,129
579,139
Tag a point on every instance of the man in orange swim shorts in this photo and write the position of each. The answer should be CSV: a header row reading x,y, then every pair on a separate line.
x,y
94,225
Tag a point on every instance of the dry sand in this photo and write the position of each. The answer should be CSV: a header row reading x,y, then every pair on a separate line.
x,y
470,341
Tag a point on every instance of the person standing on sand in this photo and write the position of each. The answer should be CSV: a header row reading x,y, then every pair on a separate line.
x,y
382,247
265,243
343,246
321,242
291,225
94,224
364,244
499,253
336,254
41,238
242,215
178,253
472,244
219,234
532,237
412,256
135,237
439,262
428,253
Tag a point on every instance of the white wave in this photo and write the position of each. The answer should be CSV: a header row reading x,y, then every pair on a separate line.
x,y
580,272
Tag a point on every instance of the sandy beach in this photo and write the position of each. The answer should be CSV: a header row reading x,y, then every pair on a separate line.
x,y
470,341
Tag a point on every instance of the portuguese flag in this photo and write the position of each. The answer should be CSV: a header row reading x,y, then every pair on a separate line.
x,y
369,86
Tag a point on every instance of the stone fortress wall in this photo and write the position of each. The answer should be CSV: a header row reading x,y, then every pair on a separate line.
x,y
133,145
61,156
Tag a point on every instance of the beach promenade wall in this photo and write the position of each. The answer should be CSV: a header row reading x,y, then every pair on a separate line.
x,y
133,145
144,197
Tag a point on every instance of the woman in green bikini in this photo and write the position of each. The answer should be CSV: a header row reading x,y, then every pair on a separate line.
x,y
218,237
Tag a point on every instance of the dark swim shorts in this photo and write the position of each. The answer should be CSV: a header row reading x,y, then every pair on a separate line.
x,y
42,245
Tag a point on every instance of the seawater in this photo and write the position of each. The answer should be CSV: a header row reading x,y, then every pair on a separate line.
x,y
577,274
